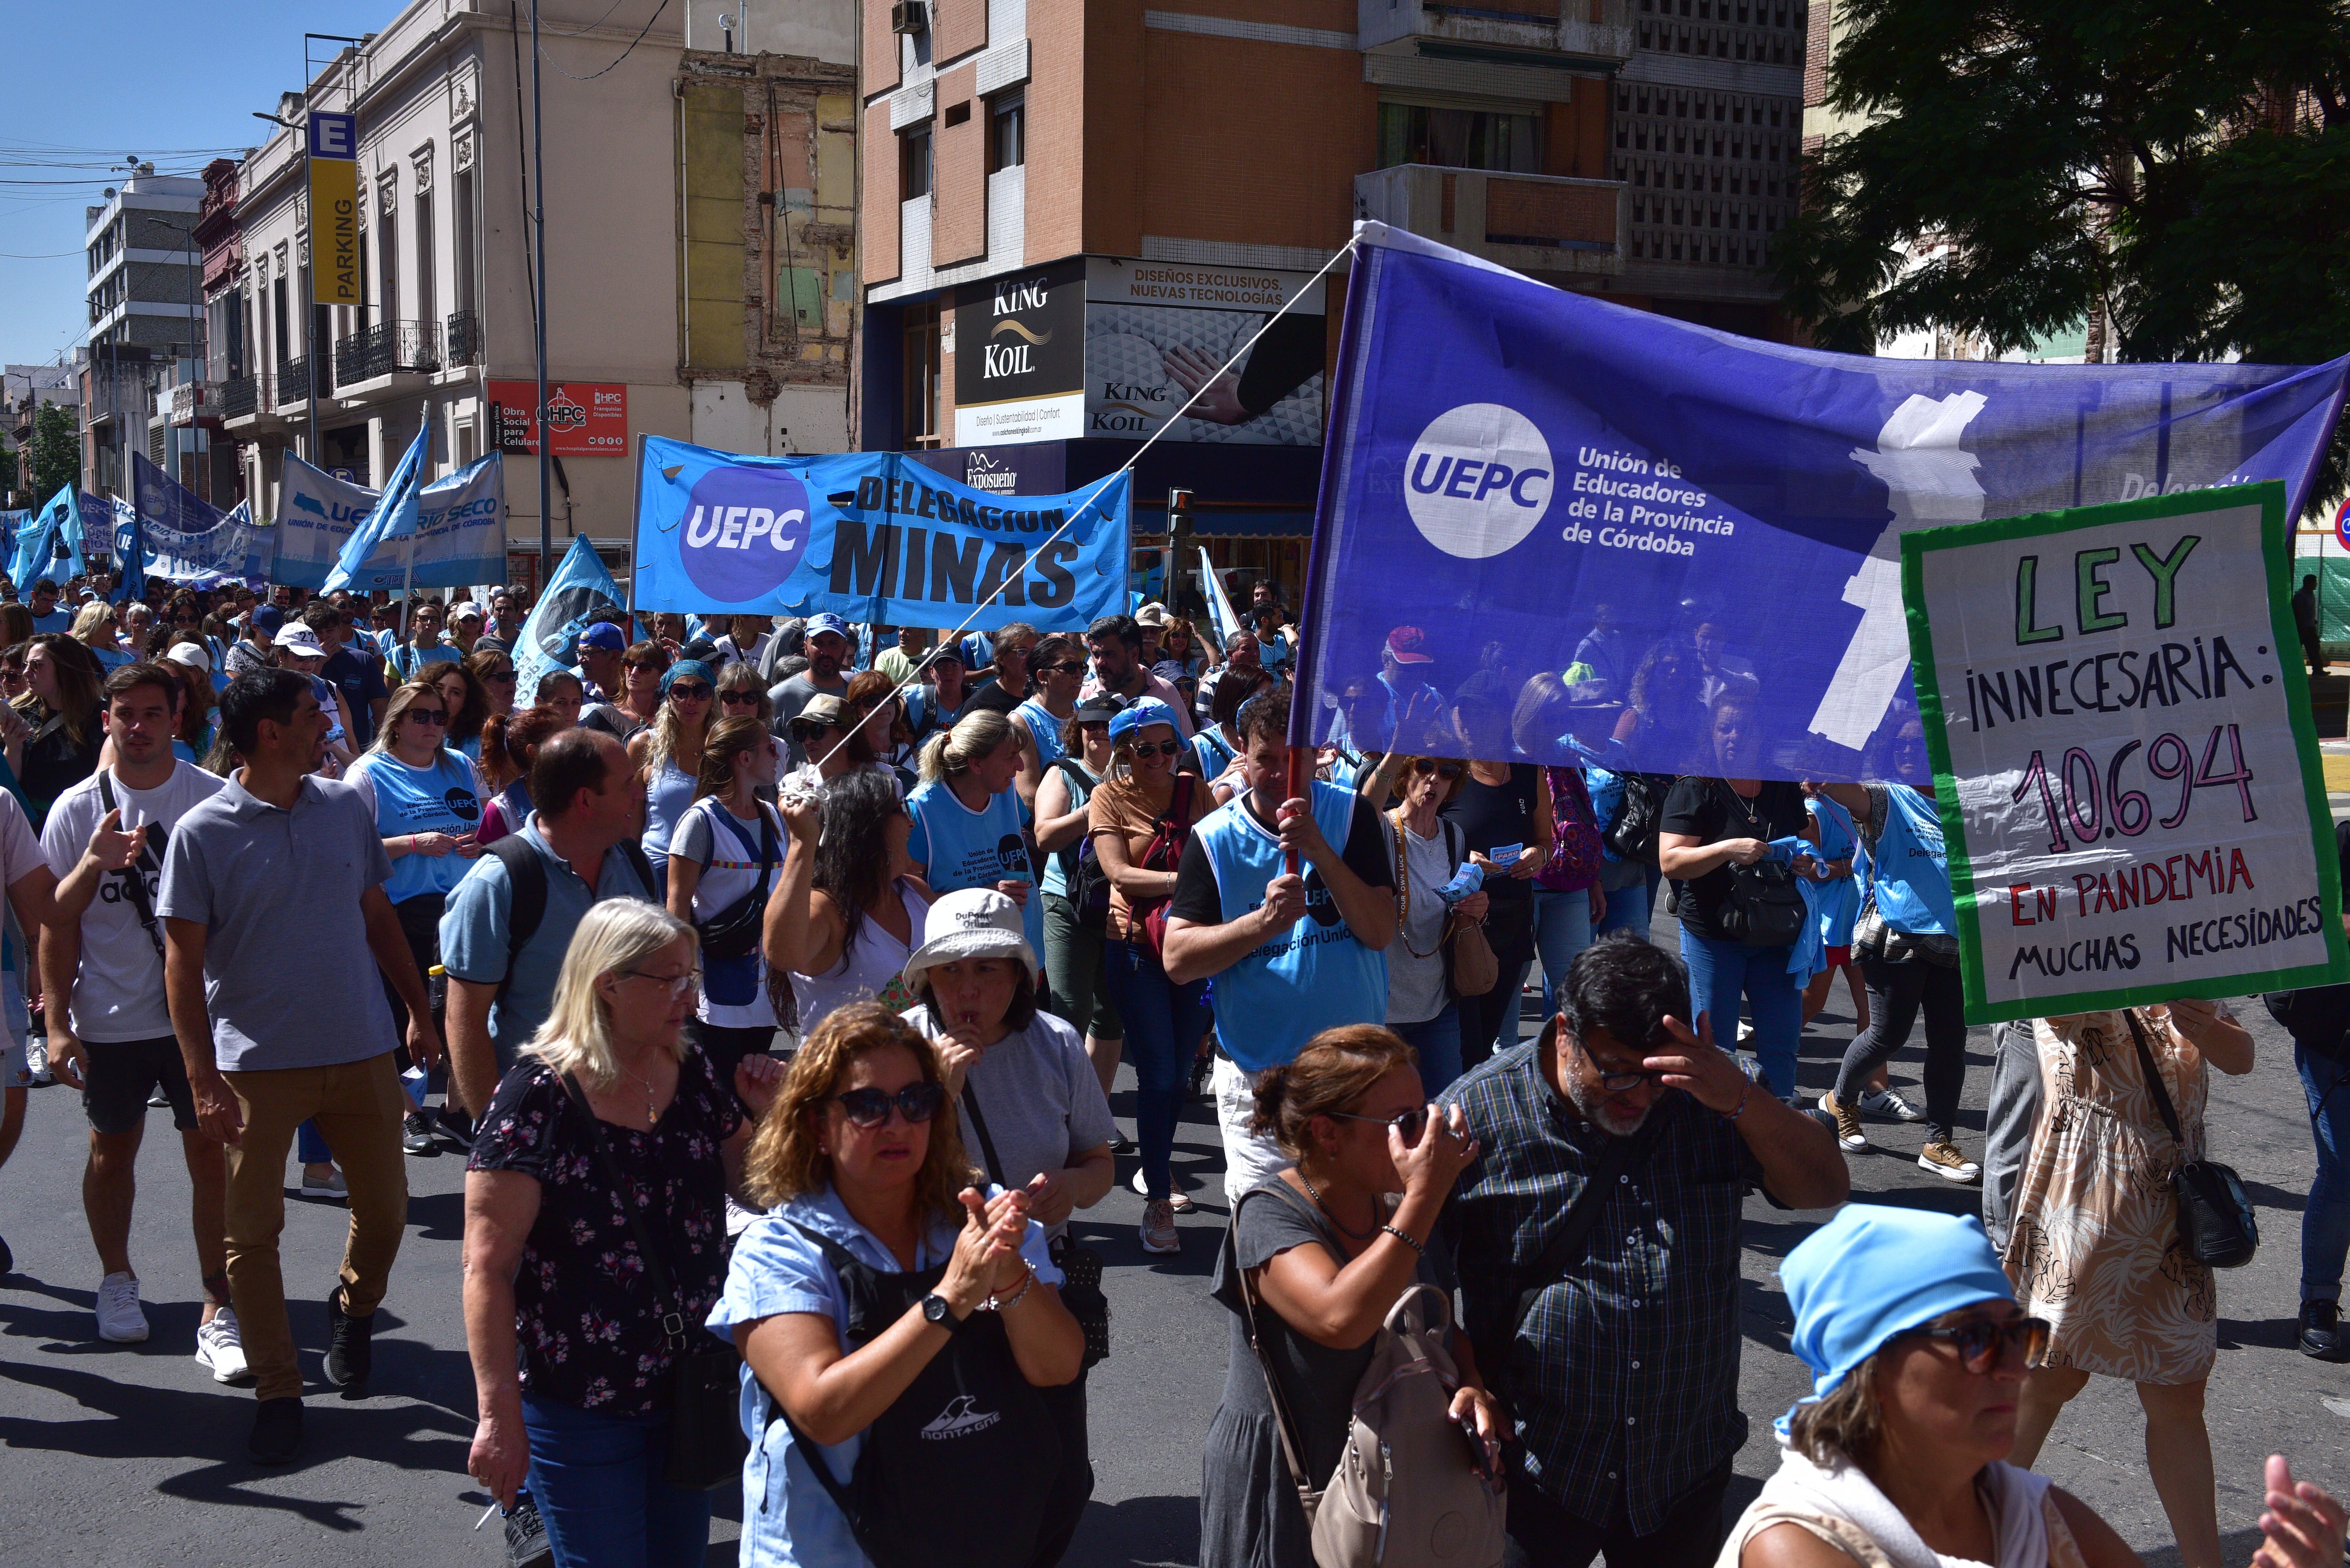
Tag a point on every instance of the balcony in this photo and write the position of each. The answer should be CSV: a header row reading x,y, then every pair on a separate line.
x,y
1534,224
298,378
240,397
389,356
1555,34
464,338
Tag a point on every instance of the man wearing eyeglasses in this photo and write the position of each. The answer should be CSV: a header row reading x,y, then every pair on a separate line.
x,y
1597,1238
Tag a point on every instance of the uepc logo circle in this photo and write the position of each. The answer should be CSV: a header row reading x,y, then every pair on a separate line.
x,y
745,530
1477,481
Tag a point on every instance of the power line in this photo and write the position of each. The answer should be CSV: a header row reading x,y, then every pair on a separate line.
x,y
624,53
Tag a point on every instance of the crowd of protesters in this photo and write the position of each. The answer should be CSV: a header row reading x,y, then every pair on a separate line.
x,y
691,950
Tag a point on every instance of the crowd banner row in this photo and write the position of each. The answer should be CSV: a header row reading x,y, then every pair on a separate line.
x,y
175,533
873,538
2132,803
460,540
1511,466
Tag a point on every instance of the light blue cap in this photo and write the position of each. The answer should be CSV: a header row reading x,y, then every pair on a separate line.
x,y
1140,715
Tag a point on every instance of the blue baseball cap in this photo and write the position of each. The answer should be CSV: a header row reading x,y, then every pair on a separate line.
x,y
1140,715
269,619
827,621
604,634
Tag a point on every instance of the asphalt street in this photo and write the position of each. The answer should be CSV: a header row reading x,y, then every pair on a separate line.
x,y
131,1454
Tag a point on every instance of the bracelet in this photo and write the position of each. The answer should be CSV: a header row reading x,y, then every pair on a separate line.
x,y
1740,1109
993,1305
1405,1237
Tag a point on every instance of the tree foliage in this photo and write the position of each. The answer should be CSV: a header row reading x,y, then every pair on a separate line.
x,y
57,451
2180,168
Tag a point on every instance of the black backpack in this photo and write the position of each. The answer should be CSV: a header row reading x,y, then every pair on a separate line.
x,y
1639,816
969,1465
527,873
1081,869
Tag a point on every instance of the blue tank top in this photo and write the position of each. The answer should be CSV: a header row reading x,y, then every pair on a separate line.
x,y
1214,754
1312,977
1912,876
1045,728
962,849
438,799
666,800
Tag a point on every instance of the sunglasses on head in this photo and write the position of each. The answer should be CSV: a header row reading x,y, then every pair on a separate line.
x,y
689,689
870,1108
1448,771
1983,1345
1156,748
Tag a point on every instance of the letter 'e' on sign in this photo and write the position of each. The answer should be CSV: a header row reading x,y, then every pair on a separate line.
x,y
2125,760
335,209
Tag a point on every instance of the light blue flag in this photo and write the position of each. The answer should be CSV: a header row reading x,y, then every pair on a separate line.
x,y
1222,617
398,514
185,539
1688,512
54,540
550,637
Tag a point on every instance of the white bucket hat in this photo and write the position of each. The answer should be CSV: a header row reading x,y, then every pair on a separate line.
x,y
976,922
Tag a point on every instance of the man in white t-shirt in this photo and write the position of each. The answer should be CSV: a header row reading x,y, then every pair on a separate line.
x,y
102,973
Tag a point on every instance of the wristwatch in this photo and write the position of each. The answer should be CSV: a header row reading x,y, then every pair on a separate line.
x,y
937,1309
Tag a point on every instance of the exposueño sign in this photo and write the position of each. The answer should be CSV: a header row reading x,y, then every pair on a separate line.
x,y
2124,755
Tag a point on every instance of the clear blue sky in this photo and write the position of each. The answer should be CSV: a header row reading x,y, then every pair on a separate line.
x,y
175,83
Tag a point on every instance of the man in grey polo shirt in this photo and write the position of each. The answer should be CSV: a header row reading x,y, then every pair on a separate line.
x,y
590,810
277,864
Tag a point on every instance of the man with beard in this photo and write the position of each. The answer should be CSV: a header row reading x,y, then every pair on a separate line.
x,y
826,643
1116,643
1597,1238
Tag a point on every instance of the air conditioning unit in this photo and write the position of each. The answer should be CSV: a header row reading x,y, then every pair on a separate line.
x,y
909,17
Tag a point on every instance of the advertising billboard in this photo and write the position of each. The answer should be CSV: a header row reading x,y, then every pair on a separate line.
x,y
1157,332
1020,357
589,419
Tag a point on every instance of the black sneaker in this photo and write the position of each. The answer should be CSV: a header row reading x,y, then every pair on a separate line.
x,y
1119,1142
526,1545
276,1431
1201,1067
351,1349
455,1128
416,1135
7,1258
2321,1331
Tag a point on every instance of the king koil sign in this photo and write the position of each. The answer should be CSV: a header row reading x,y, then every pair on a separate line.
x,y
1020,357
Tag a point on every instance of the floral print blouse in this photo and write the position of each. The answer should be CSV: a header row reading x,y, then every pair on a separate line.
x,y
585,1311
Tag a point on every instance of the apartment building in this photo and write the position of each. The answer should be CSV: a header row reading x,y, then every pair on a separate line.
x,y
669,155
1075,212
141,296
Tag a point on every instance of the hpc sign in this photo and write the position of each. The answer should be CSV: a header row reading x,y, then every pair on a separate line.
x,y
589,419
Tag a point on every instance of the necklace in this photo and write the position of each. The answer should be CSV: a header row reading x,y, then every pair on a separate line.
x,y
1343,1225
644,1081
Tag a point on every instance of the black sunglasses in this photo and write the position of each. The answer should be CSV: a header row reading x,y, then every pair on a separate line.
x,y
430,715
1983,1345
501,676
1448,771
689,689
870,1108
1408,1123
1062,668
737,694
1157,748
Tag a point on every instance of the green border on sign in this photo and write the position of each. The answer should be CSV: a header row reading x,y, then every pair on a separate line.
x,y
2275,546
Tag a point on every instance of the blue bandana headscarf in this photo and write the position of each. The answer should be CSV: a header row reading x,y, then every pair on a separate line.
x,y
1140,715
688,668
1874,1272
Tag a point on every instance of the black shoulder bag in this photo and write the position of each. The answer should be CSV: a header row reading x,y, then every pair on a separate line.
x,y
706,1442
1764,908
2215,1225
1080,1266
134,879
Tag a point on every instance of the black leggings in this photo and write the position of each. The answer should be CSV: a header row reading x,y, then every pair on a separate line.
x,y
419,922
1897,993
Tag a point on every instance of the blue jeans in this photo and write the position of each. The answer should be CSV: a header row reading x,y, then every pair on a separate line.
x,y
1562,930
1628,910
596,1480
2325,1218
1163,1024
1719,971
1438,1040
311,1145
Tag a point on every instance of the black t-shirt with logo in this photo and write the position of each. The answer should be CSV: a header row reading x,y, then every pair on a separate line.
x,y
1709,811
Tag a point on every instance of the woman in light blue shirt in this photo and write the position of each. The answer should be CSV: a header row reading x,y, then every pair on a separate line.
x,y
876,1269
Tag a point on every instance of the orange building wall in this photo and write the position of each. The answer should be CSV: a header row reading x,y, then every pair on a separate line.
x,y
878,247
1055,110
880,63
958,215
957,27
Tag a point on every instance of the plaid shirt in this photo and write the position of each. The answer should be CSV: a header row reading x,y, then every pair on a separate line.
x,y
1624,1378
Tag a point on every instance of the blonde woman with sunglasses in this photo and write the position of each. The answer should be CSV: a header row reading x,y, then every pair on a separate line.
x,y
1426,852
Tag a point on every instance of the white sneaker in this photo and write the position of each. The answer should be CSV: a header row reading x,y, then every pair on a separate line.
x,y
120,1321
330,1186
1889,1103
1175,1194
218,1347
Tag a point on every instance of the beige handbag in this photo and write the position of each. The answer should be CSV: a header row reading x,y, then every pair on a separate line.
x,y
1408,1491
1475,970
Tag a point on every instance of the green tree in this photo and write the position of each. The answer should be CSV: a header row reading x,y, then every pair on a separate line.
x,y
57,451
2175,175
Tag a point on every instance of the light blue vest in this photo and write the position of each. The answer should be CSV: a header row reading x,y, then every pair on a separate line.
x,y
1912,877
438,799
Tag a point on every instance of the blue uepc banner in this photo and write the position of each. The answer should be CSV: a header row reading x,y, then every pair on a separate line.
x,y
185,538
461,538
873,538
1602,521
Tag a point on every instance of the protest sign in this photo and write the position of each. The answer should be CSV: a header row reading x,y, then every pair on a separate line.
x,y
1678,509
872,537
462,539
2131,800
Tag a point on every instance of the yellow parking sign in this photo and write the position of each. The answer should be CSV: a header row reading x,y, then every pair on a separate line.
x,y
334,209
